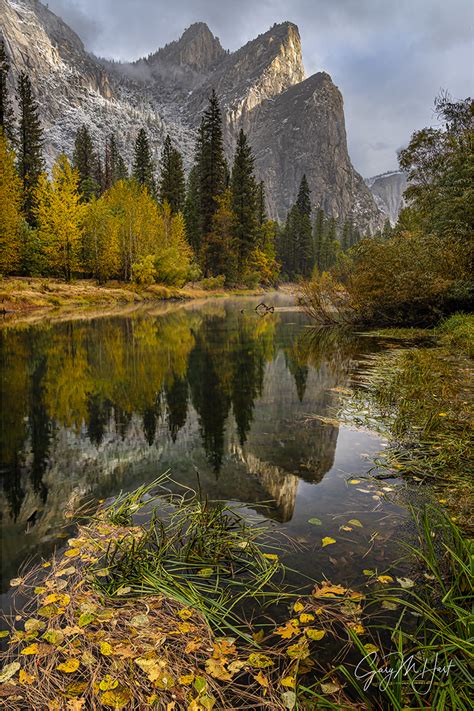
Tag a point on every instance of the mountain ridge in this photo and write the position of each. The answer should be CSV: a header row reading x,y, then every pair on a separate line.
x,y
166,92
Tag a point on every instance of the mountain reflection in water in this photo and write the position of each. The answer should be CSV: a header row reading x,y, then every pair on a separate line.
x,y
222,398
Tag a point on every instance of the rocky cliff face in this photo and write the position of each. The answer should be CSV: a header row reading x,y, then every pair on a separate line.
x,y
295,125
388,190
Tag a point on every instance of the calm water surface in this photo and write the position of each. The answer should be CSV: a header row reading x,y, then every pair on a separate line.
x,y
241,405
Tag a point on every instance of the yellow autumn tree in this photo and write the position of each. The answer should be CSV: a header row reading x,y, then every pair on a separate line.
x,y
173,256
262,260
59,214
101,247
140,229
11,219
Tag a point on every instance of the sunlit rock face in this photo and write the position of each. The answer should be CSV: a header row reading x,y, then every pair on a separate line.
x,y
295,125
388,190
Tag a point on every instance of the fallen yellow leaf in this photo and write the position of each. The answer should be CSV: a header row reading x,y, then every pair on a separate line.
x,y
186,679
32,649
327,589
262,679
288,630
72,552
315,635
216,668
327,541
105,649
26,678
185,614
69,666
259,661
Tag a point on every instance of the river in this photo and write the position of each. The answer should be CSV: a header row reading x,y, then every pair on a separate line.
x,y
240,405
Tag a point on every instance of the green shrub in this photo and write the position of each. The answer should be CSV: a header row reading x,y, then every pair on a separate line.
x,y
410,278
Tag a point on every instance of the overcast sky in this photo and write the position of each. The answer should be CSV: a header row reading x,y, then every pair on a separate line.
x,y
388,57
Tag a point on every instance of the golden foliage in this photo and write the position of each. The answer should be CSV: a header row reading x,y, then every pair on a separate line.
x,y
11,219
59,213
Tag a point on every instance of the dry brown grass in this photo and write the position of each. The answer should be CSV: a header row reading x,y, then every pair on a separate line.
x,y
22,293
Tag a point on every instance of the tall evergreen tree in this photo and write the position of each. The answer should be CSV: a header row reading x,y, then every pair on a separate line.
x,y
172,182
85,162
143,168
346,236
192,214
210,162
387,229
218,250
303,201
304,260
30,145
114,164
243,191
328,251
6,112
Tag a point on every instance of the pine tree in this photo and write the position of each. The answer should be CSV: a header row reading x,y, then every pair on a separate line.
x,y
114,164
304,260
192,213
59,216
303,201
30,145
346,236
210,162
7,123
387,229
243,201
218,253
11,219
328,250
172,182
85,162
143,169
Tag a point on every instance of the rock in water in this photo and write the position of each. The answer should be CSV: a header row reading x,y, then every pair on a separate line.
x,y
295,124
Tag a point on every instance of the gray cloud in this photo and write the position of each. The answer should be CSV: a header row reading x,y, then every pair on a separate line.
x,y
388,57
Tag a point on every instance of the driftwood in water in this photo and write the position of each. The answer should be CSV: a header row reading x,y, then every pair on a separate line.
x,y
262,309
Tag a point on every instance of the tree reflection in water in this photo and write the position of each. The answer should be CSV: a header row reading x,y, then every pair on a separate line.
x,y
89,407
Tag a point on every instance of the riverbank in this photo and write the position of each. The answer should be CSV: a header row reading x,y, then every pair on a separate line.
x,y
21,295
420,391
